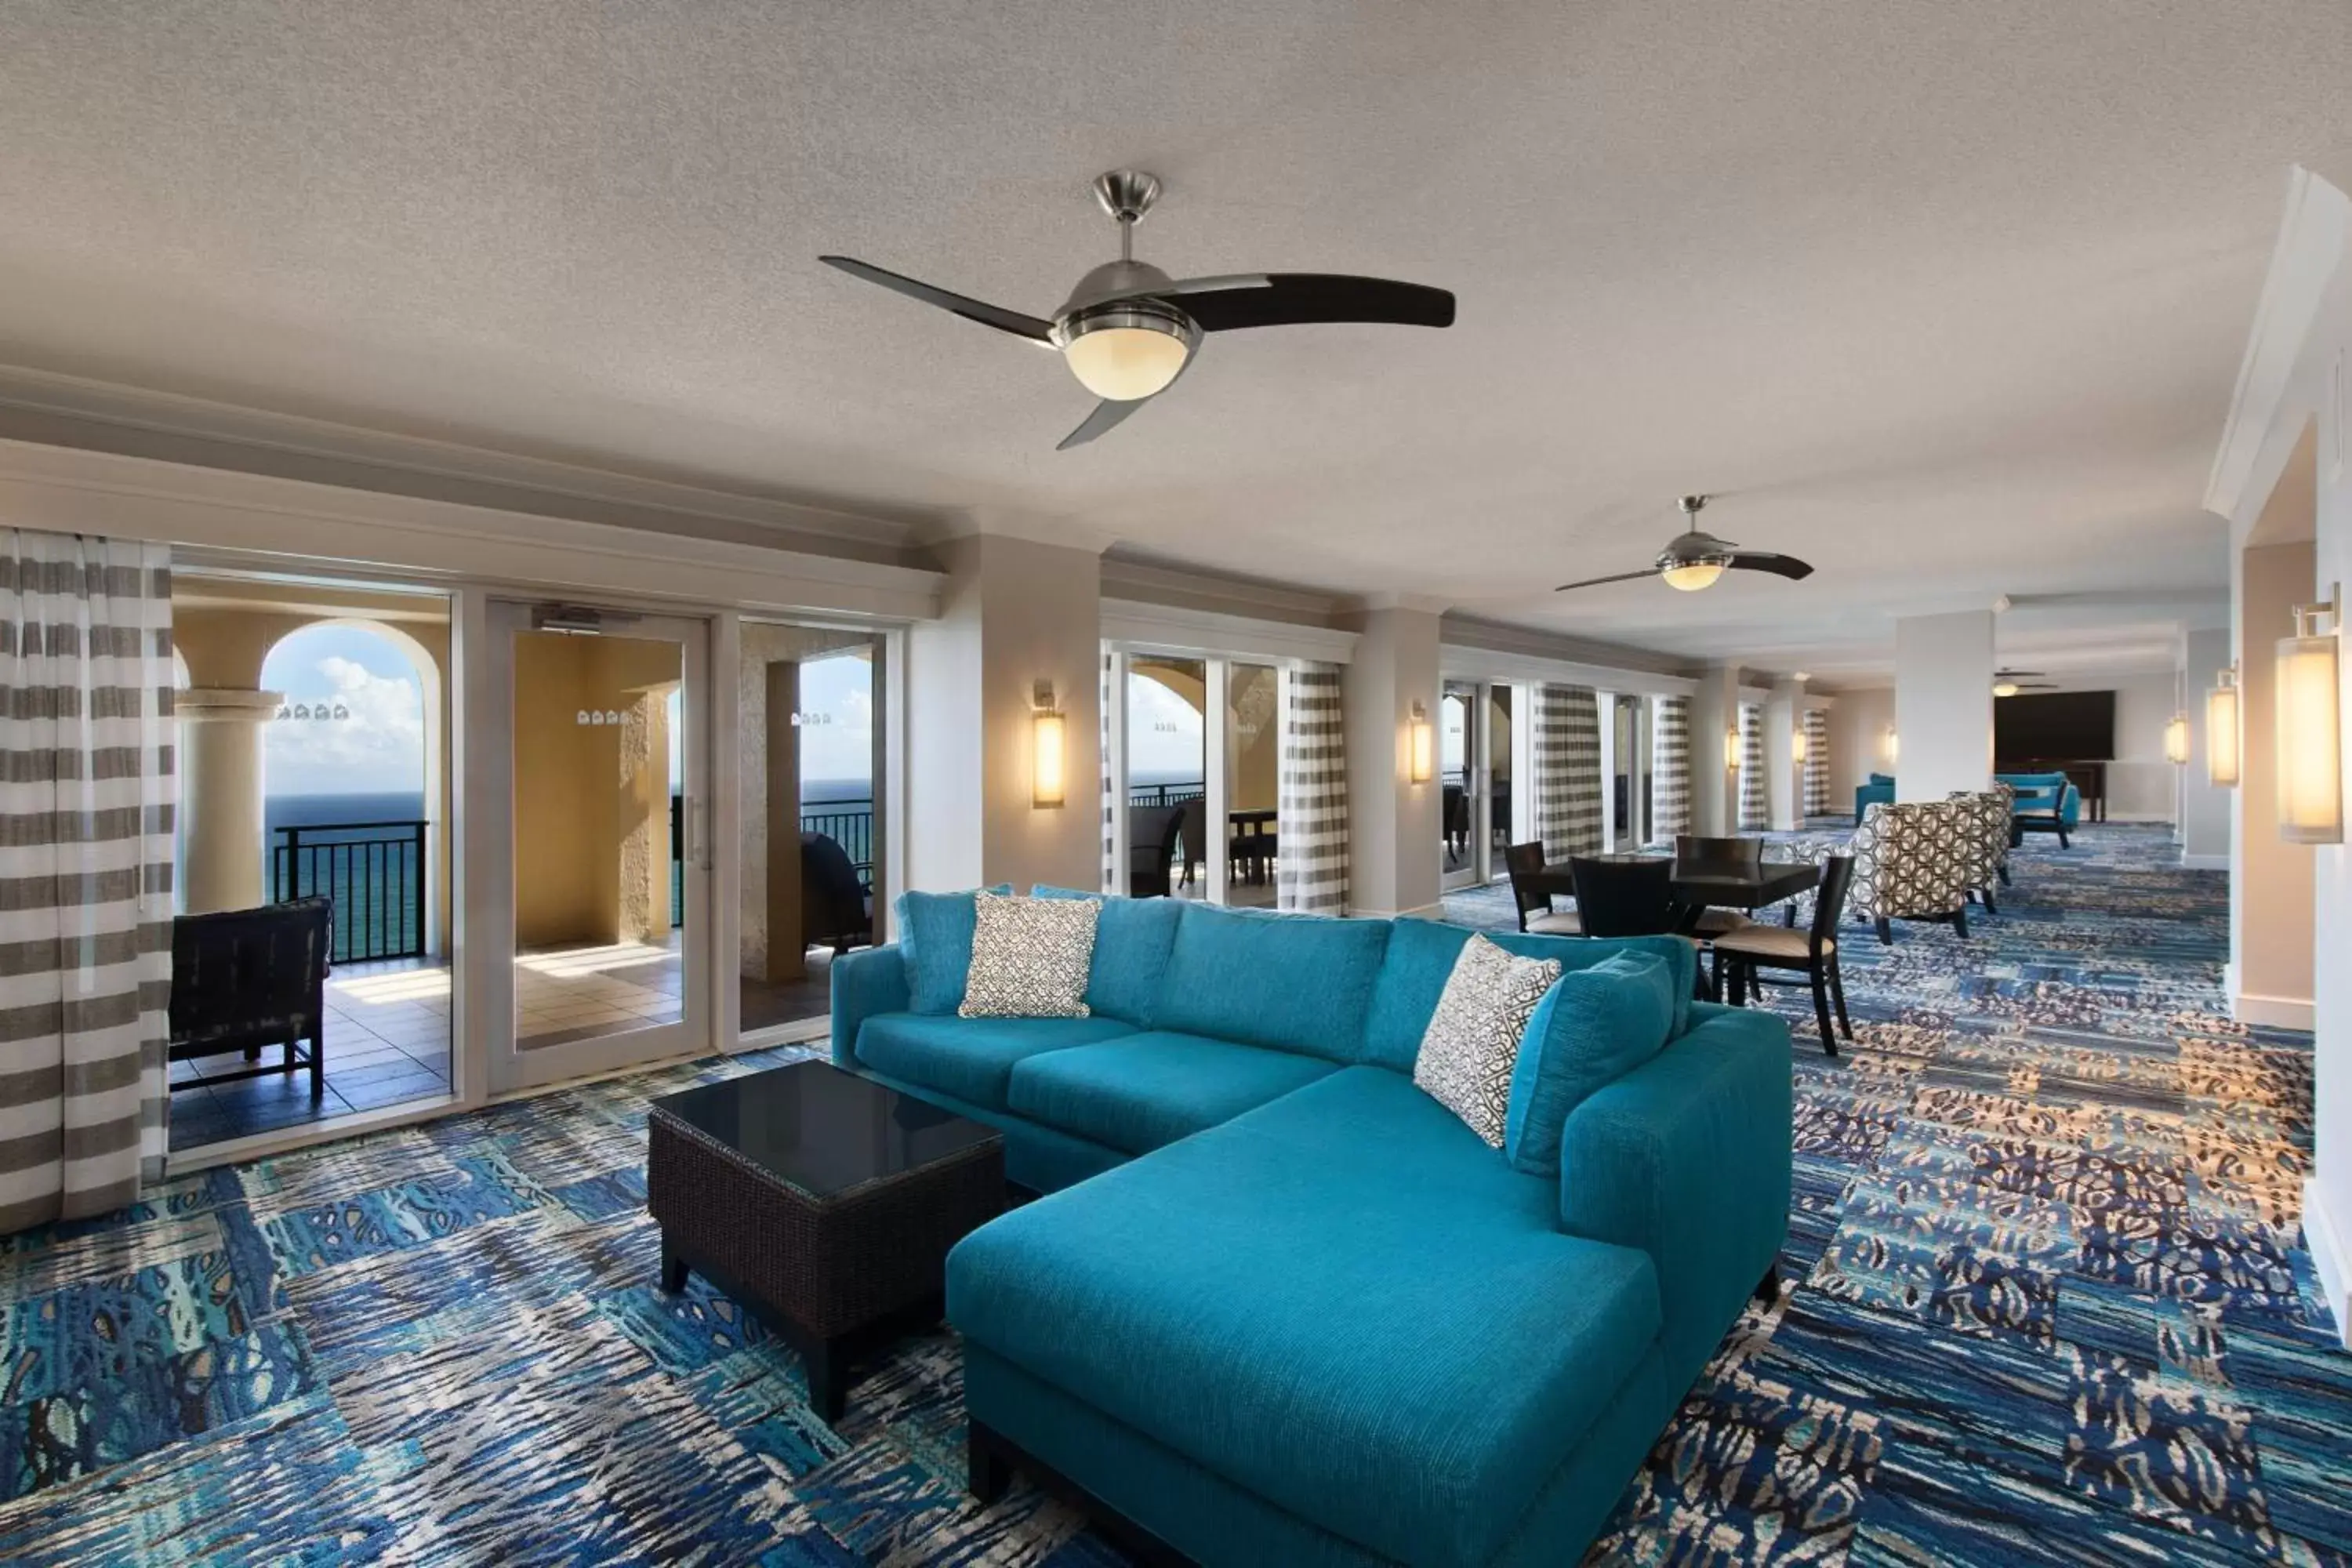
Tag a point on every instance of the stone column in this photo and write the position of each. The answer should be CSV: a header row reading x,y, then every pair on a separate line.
x,y
220,795
1715,788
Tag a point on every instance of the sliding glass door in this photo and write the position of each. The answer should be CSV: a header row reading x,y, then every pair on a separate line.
x,y
605,907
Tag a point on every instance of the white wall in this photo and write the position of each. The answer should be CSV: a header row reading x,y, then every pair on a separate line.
x,y
1715,788
1392,823
1943,703
1858,727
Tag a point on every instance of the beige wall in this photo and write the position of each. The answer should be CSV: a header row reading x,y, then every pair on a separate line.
x,y
2270,885
591,801
1392,823
1858,725
1014,612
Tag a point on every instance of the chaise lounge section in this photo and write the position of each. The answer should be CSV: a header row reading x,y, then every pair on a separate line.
x,y
1279,1304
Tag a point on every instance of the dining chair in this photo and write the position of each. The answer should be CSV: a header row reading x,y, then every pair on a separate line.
x,y
1152,833
1194,814
1730,856
1742,956
1624,898
1523,861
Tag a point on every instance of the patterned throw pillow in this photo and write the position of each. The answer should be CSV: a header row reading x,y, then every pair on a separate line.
x,y
1471,1048
1029,958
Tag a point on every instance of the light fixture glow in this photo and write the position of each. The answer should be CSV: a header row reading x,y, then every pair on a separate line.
x,y
2222,731
1893,747
1049,769
1797,743
1690,576
2310,766
2005,689
2176,739
1731,749
1421,745
1124,364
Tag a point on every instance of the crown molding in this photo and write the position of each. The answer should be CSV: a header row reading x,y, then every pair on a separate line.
x,y
2311,246
1127,577
65,410
231,519
1140,627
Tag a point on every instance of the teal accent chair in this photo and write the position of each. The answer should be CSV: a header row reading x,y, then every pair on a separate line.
x,y
2046,802
1278,1304
1880,790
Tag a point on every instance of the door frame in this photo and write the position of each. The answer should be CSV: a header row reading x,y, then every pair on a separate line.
x,y
504,1067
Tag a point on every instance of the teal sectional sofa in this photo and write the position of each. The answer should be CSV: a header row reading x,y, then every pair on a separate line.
x,y
1278,1305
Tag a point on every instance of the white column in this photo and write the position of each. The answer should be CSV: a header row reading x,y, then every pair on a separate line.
x,y
2204,805
1713,715
1943,703
1783,712
220,795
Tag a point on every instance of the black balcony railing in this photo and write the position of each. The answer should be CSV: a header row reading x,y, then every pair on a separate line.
x,y
1166,794
373,871
848,823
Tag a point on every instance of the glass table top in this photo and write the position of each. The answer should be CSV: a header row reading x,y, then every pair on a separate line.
x,y
823,1131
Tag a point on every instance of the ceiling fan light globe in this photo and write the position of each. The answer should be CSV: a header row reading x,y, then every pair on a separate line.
x,y
1124,364
2005,689
1690,576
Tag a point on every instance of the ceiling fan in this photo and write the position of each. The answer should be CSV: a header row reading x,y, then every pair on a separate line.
x,y
1128,331
2009,682
1692,560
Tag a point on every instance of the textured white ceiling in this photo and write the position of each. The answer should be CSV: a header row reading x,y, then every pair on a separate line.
x,y
1946,298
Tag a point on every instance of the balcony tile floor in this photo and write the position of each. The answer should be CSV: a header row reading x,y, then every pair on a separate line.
x,y
387,1041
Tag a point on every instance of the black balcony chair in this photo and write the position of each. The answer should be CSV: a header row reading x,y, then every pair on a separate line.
x,y
1194,834
1522,861
1152,833
1454,806
837,910
243,979
1742,956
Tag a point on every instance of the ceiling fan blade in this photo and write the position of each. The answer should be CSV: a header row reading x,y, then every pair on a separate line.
x,y
1779,565
1596,582
970,309
1106,416
1285,299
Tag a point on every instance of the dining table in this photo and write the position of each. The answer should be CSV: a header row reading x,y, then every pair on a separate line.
x,y
1250,825
1700,885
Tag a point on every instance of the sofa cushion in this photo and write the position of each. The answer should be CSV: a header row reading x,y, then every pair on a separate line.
x,y
971,1058
1593,1027
935,940
1421,955
1343,1301
1140,1092
1029,958
1298,983
1132,937
1472,1045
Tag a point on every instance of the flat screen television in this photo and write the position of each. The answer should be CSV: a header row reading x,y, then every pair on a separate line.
x,y
2054,727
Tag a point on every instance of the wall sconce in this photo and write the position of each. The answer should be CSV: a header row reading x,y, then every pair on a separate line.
x,y
1893,747
1422,743
1797,744
1049,756
1731,749
2176,740
2221,730
2310,764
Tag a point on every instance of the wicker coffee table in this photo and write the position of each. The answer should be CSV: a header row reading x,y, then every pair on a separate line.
x,y
822,1202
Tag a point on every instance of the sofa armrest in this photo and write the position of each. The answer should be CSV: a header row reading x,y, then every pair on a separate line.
x,y
1687,1158
867,981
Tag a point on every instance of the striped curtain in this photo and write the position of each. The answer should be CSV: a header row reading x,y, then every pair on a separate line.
x,y
1311,796
86,806
1755,816
1817,763
1670,776
1568,772
1109,785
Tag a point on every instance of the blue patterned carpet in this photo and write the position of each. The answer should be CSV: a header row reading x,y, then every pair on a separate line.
x,y
2053,1307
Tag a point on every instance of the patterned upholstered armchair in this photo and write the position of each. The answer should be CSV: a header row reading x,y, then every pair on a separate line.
x,y
1984,842
1908,865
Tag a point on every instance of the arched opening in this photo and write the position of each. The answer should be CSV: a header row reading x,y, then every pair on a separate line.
x,y
350,806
